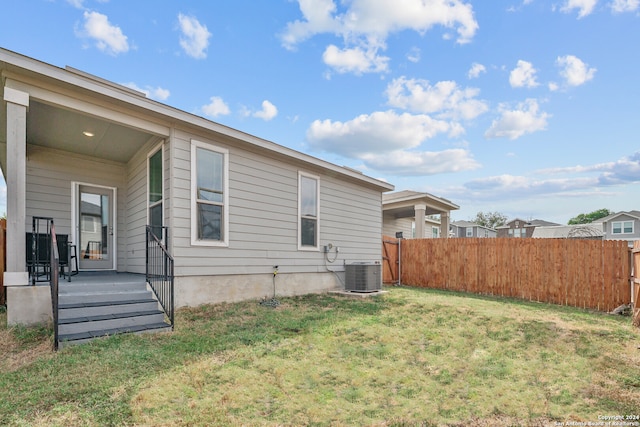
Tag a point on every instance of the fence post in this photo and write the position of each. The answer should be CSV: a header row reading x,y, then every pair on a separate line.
x,y
3,252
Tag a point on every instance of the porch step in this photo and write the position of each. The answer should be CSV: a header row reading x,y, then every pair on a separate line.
x,y
84,337
91,310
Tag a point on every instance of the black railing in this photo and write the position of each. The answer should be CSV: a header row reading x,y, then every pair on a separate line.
x,y
159,269
55,268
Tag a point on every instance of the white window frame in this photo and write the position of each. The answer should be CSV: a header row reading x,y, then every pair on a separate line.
x,y
435,231
224,242
622,227
317,179
469,232
159,147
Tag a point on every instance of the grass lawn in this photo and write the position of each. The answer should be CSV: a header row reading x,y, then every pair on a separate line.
x,y
410,357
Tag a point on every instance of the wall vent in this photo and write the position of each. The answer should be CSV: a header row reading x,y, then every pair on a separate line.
x,y
363,277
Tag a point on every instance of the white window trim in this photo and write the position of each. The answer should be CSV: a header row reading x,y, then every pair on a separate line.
x,y
469,232
299,218
159,147
194,196
622,227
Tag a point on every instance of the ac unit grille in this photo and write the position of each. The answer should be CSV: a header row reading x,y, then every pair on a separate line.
x,y
363,277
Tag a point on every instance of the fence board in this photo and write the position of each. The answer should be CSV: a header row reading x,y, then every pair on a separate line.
x,y
3,259
590,274
390,258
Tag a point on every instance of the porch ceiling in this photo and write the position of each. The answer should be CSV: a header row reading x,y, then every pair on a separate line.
x,y
409,211
62,129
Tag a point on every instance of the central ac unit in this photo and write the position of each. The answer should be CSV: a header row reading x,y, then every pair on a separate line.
x,y
363,277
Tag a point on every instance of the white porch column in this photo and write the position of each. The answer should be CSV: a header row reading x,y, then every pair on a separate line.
x,y
419,218
17,104
444,224
25,304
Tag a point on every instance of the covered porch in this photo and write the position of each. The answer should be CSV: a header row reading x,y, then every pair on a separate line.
x,y
81,158
410,212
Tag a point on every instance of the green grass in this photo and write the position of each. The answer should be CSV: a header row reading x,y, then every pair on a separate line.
x,y
410,357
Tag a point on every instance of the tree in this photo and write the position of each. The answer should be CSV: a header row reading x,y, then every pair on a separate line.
x,y
490,219
590,217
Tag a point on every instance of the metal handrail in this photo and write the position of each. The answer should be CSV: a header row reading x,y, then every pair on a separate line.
x,y
159,269
55,267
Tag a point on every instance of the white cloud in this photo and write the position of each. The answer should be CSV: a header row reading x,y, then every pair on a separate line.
x,y
109,38
621,6
195,36
268,112
524,75
513,186
418,163
574,71
355,60
414,55
365,25
475,70
371,134
389,142
79,4
445,98
578,181
585,7
514,123
624,170
157,93
216,107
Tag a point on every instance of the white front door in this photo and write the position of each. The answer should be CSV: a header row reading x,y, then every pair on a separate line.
x,y
94,225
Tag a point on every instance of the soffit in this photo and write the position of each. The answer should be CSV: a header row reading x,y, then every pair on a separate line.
x,y
62,129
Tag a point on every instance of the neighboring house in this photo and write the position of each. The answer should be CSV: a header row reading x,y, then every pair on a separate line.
x,y
470,229
416,215
592,231
105,161
622,226
521,228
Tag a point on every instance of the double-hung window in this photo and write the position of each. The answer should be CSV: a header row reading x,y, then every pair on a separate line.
x,y
308,211
209,195
155,192
622,227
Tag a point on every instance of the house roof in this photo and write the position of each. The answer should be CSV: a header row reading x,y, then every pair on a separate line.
x,y
402,203
566,231
461,223
62,101
530,223
634,214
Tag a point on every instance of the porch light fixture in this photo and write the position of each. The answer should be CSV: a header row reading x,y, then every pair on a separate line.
x,y
88,134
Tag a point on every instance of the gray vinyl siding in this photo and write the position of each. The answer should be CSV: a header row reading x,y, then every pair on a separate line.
x,y
137,204
50,174
393,225
608,227
263,217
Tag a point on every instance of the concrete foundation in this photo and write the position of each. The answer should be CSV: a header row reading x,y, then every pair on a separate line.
x,y
192,291
28,305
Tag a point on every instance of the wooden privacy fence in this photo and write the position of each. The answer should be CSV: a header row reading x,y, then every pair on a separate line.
x,y
581,273
3,257
389,260
636,283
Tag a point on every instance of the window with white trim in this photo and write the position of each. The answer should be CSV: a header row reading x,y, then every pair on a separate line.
x,y
209,195
435,231
308,211
469,232
622,227
155,192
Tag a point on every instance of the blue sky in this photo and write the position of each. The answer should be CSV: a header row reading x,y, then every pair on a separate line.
x,y
526,107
